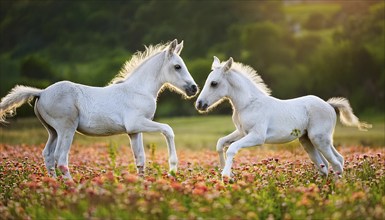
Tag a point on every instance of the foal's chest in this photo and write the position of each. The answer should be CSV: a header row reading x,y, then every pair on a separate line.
x,y
241,124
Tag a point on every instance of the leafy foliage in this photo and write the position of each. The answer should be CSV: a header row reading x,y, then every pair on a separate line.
x,y
322,48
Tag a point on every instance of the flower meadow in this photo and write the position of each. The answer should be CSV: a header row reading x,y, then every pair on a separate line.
x,y
276,183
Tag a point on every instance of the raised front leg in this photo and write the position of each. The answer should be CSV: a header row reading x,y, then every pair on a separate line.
x,y
138,151
251,139
224,141
147,125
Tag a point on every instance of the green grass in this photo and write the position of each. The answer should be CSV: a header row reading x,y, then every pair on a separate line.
x,y
201,132
191,132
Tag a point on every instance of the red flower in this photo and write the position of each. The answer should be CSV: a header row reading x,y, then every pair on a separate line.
x,y
130,178
176,186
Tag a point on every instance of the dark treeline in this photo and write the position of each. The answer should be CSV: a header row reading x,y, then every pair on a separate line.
x,y
323,48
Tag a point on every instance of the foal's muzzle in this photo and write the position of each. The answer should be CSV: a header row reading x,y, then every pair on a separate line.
x,y
191,90
201,106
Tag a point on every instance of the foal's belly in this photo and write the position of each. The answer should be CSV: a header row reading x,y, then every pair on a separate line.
x,y
283,136
99,132
280,139
286,130
100,126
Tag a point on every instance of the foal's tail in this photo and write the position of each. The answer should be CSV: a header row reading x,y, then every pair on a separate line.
x,y
347,117
15,98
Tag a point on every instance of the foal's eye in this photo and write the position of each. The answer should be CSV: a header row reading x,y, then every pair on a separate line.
x,y
177,67
214,84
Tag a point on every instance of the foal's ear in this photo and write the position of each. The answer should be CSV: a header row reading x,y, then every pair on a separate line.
x,y
216,63
171,48
179,48
228,65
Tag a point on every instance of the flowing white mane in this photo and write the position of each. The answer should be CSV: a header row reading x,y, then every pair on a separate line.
x,y
137,59
252,75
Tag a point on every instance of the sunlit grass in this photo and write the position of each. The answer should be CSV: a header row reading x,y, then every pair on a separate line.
x,y
201,132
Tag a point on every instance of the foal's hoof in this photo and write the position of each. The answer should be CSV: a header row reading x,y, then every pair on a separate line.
x,y
227,179
337,175
66,178
172,173
52,173
323,174
141,174
140,170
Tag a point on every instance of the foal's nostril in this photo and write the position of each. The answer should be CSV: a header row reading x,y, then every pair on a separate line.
x,y
194,88
199,104
191,90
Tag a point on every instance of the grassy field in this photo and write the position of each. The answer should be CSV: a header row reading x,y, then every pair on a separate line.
x,y
192,133
270,182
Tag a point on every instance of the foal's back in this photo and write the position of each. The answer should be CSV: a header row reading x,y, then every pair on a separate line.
x,y
292,118
312,108
90,110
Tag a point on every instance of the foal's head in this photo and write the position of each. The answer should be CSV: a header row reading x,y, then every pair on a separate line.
x,y
216,87
175,72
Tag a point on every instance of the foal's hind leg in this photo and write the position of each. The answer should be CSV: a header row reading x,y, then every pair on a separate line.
x,y
138,150
338,155
49,149
65,138
48,152
324,144
319,161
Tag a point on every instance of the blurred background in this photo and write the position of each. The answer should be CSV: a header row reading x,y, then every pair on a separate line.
x,y
325,48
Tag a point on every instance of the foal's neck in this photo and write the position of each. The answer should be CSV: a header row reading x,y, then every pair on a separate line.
x,y
244,92
147,77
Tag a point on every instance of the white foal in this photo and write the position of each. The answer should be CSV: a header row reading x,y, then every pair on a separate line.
x,y
126,105
260,118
